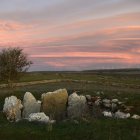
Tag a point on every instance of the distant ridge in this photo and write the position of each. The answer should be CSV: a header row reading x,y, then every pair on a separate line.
x,y
121,70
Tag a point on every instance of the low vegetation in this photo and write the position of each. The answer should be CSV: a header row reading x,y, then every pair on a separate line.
x,y
125,87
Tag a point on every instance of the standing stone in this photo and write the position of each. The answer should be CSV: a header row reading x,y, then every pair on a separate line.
x,y
54,103
77,106
12,108
30,105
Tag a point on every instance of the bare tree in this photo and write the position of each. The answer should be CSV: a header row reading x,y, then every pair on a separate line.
x,y
13,62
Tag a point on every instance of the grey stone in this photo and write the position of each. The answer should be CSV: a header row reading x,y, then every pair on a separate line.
x,y
114,100
77,106
121,115
88,97
107,113
137,117
39,117
30,105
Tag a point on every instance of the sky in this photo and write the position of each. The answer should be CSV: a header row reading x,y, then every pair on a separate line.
x,y
73,34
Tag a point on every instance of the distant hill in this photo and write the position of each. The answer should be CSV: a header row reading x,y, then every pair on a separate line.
x,y
98,71
120,71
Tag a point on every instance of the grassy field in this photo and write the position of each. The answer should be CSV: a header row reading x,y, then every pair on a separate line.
x,y
114,85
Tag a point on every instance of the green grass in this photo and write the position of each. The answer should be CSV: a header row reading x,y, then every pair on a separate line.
x,y
105,129
97,129
105,79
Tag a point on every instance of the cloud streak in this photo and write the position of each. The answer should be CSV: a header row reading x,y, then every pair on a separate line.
x,y
73,35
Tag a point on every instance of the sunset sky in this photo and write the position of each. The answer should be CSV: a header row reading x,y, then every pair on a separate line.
x,y
73,34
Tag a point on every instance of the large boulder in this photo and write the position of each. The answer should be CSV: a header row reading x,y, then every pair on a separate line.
x,y
38,117
12,108
30,105
77,106
54,103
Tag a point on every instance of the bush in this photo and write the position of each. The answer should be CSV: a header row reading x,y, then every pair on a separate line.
x,y
13,62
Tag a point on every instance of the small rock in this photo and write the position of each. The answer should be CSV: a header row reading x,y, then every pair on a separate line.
x,y
98,102
107,105
128,108
114,107
120,103
122,115
88,97
135,117
114,100
39,117
107,114
98,93
75,121
126,98
106,101
102,92
52,121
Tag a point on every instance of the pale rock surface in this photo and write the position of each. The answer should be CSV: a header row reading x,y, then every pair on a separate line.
x,y
98,102
106,103
12,108
114,100
135,117
77,105
121,115
88,97
30,105
39,117
54,103
107,113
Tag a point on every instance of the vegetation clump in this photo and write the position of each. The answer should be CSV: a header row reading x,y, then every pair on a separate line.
x,y
13,63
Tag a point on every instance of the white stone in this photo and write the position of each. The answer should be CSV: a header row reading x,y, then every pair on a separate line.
x,y
12,108
39,117
106,101
30,105
88,97
98,102
52,121
77,105
114,100
135,117
107,114
107,105
121,115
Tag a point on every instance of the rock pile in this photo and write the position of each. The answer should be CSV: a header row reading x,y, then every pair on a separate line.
x,y
110,108
58,105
